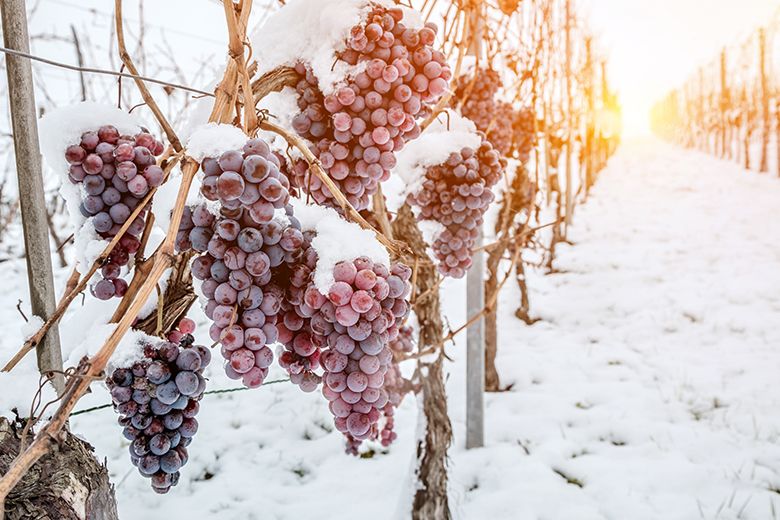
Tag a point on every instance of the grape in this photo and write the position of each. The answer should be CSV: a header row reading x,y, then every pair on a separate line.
x,y
106,167
250,177
243,287
357,129
456,194
156,419
349,343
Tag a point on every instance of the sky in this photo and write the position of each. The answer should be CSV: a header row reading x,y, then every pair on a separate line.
x,y
654,45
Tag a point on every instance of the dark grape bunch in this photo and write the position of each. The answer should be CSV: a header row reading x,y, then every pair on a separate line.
x,y
195,229
114,173
364,308
249,179
357,129
302,332
157,399
456,194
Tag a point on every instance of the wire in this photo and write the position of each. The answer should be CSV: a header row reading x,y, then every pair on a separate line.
x,y
91,70
212,392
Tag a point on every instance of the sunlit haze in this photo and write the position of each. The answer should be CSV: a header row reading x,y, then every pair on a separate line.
x,y
654,45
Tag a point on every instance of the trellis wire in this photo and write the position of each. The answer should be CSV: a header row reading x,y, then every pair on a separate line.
x,y
211,392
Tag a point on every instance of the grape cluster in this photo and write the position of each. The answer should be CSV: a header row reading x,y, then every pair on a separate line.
x,y
364,307
396,385
357,129
302,331
456,194
243,284
523,134
477,94
500,128
247,179
114,173
195,229
157,399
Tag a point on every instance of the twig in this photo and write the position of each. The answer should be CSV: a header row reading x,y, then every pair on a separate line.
x,y
396,247
66,300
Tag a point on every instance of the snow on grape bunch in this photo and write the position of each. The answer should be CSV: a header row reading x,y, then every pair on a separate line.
x,y
357,129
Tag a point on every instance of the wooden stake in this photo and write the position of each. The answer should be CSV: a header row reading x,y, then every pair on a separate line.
x,y
764,166
28,168
569,125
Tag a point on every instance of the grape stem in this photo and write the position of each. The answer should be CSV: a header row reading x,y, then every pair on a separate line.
x,y
145,94
396,247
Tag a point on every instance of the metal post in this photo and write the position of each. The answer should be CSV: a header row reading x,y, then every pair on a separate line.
x,y
475,302
28,169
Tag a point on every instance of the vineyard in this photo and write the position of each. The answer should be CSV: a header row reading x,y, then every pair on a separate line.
x,y
731,106
376,258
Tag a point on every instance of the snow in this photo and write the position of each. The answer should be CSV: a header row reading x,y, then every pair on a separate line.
x,y
312,34
651,379
337,241
31,326
448,133
213,139
63,127
19,386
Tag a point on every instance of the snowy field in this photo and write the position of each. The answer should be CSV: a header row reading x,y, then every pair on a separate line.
x,y
648,390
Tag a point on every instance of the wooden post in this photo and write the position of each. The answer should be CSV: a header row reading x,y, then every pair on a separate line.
x,y
28,169
701,125
777,133
590,125
764,166
724,100
570,123
475,302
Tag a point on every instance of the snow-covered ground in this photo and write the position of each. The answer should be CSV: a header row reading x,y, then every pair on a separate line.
x,y
648,390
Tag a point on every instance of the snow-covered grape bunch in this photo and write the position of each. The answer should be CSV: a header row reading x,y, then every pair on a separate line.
x,y
114,173
364,307
358,128
157,399
456,194
500,129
